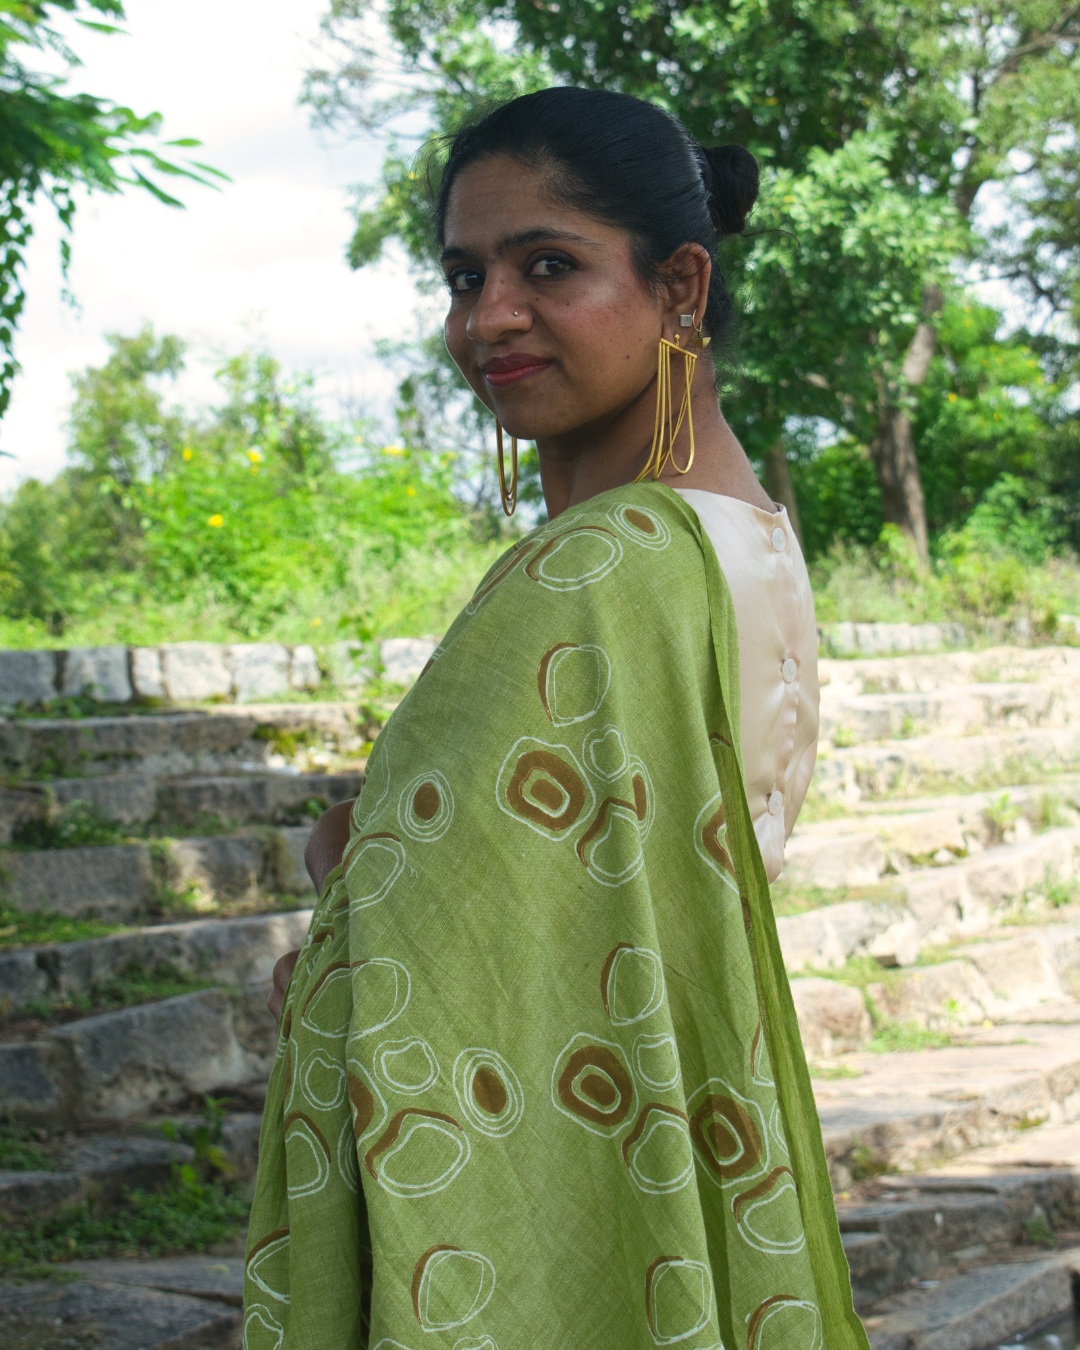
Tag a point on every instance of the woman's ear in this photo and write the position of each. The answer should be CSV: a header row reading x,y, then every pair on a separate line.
x,y
686,274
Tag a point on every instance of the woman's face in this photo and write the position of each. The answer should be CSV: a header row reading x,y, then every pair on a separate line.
x,y
549,322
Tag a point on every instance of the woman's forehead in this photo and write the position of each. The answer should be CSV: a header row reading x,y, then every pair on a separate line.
x,y
499,204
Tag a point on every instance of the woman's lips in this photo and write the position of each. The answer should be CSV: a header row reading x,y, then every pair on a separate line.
x,y
507,370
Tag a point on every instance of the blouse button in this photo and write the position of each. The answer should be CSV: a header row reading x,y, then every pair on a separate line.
x,y
779,539
776,803
789,670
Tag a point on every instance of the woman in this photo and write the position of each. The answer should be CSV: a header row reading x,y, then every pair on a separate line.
x,y
539,1080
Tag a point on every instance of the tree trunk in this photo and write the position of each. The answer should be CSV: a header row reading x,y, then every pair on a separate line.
x,y
893,449
778,483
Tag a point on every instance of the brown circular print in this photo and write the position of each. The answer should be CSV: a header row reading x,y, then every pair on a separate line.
x,y
728,1132
591,1083
426,807
489,1092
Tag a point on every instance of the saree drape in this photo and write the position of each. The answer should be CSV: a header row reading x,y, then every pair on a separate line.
x,y
539,1082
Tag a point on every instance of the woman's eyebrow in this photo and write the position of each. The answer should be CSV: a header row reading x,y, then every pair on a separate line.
x,y
538,234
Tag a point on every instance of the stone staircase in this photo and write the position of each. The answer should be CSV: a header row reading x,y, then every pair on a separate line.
x,y
929,914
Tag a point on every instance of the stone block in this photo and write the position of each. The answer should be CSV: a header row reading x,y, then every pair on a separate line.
x,y
101,672
270,799
20,806
146,676
292,873
304,670
235,952
954,993
136,1318
195,671
834,860
982,1307
21,978
37,1082
129,799
826,937
259,669
350,664
128,1062
232,866
111,883
832,1017
404,658
27,677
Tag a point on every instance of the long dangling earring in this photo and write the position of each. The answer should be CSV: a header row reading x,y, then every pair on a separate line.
x,y
508,494
661,453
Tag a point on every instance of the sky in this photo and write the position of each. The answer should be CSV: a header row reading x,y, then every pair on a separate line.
x,y
259,262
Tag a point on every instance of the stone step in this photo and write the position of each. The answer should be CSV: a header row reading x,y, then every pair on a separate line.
x,y
979,1308
120,1065
225,951
124,883
907,1110
924,762
994,980
136,799
934,906
923,674
862,849
100,1167
219,739
962,710
178,1303
900,1230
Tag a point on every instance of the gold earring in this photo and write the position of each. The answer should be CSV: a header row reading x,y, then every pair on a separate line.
x,y
659,454
699,339
508,495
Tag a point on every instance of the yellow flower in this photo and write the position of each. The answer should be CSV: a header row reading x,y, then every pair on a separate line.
x,y
316,623
410,492
186,452
255,456
216,520
952,398
393,449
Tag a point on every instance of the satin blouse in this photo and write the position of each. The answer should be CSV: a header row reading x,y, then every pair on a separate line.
x,y
760,557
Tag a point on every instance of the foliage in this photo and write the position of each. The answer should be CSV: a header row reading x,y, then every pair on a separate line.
x,y
883,128
258,517
39,928
186,1215
78,824
52,142
25,1150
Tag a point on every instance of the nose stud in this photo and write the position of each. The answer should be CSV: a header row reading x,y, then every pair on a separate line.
x,y
515,314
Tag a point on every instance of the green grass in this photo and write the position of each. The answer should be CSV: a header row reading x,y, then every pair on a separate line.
x,y
788,900
39,928
186,1215
126,989
25,1150
834,1072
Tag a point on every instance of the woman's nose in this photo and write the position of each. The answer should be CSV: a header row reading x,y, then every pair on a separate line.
x,y
498,313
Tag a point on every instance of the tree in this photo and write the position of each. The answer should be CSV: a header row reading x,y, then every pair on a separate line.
x,y
53,142
959,96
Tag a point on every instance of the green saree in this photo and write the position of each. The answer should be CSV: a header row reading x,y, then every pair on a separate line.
x,y
539,1043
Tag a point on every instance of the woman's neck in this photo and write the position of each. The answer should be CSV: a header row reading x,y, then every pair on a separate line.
x,y
594,459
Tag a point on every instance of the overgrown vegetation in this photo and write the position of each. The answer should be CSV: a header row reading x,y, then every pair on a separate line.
x,y
37,928
257,518
197,1208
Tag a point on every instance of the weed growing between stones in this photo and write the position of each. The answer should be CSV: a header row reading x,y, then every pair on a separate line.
x,y
186,1215
788,900
23,1149
127,988
834,1072
39,928
79,824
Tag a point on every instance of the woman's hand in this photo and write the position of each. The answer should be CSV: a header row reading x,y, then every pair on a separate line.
x,y
323,853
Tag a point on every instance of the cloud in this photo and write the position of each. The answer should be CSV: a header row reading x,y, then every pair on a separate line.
x,y
261,259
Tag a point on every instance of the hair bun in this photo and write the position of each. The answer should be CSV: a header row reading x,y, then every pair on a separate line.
x,y
731,180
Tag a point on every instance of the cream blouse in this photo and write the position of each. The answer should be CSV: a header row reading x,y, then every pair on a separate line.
x,y
774,610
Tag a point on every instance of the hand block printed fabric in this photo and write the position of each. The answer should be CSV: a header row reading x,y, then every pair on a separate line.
x,y
539,1083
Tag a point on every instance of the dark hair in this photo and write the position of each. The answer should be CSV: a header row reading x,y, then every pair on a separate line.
x,y
625,162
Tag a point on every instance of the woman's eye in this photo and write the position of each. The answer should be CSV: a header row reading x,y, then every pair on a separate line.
x,y
464,279
550,266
